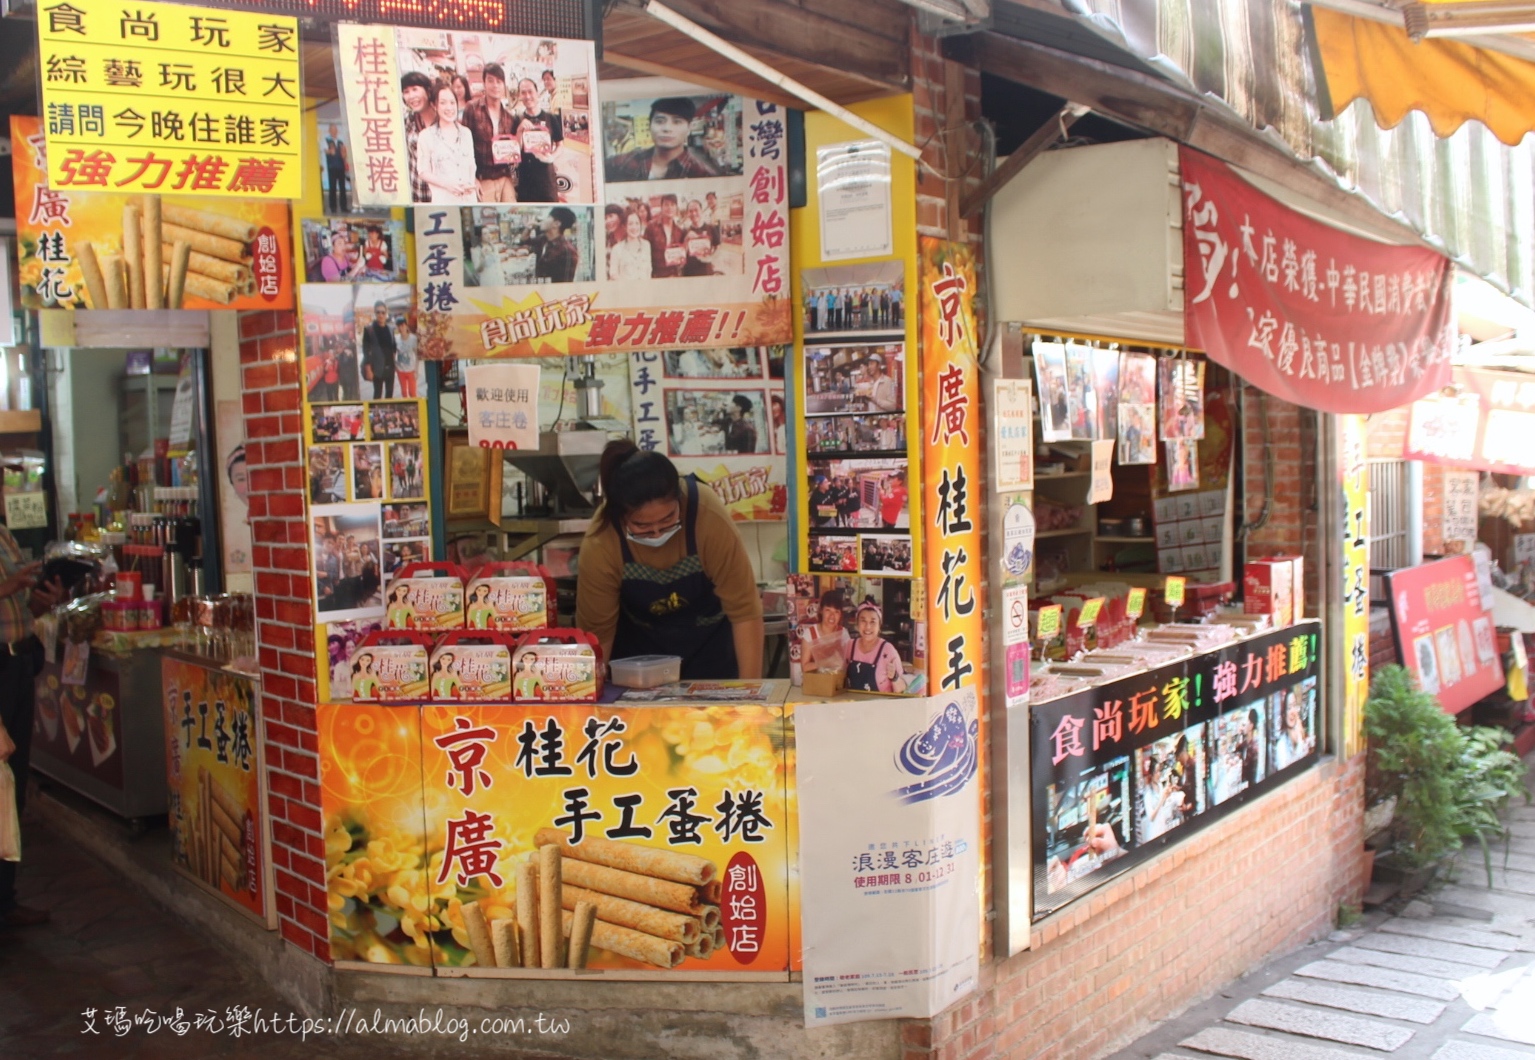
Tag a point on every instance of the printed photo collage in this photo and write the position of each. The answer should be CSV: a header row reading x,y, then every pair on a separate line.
x,y
1451,652
1190,533
857,470
1132,800
861,626
725,401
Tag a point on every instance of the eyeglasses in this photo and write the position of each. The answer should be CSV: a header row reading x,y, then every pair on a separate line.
x,y
671,522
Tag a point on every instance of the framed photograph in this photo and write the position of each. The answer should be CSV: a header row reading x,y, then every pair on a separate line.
x,y
407,520
1238,751
1182,465
869,433
736,362
859,625
855,299
717,422
1081,392
345,541
390,420
335,423
473,486
1050,385
367,471
507,246
834,554
671,138
863,494
327,474
844,380
884,554
407,471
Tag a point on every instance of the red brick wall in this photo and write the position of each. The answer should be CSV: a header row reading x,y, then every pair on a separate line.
x,y
1265,880
946,98
1291,498
271,375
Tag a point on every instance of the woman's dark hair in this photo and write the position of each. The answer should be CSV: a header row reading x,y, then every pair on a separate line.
x,y
468,90
415,79
632,477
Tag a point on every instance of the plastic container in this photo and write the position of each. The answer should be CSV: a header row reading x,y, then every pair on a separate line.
x,y
646,671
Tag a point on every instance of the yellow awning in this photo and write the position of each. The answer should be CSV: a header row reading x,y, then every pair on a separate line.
x,y
1448,81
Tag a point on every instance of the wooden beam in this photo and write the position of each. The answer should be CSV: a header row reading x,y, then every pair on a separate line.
x,y
1027,152
758,90
810,37
1166,110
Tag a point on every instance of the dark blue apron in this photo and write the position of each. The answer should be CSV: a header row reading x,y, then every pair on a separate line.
x,y
675,611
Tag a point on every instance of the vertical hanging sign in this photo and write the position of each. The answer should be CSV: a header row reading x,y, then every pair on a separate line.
x,y
1356,578
951,441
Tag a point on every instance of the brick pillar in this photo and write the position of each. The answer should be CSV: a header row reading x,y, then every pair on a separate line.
x,y
271,378
946,98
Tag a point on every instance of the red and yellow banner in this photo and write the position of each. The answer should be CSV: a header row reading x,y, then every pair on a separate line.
x,y
213,768
94,249
951,458
1353,476
672,822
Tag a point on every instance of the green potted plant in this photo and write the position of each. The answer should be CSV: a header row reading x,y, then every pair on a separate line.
x,y
1450,783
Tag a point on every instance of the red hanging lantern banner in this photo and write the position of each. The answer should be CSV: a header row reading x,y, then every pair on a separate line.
x,y
1310,314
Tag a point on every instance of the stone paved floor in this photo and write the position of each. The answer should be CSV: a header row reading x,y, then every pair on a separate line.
x,y
1450,977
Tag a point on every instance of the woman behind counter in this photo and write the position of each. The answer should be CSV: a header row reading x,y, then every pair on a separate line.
x,y
663,571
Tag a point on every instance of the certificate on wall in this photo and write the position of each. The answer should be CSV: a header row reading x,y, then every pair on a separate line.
x,y
853,191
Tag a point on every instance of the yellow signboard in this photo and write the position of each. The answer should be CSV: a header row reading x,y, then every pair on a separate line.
x,y
1353,472
170,100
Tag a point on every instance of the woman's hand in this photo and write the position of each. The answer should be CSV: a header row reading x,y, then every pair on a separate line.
x,y
20,580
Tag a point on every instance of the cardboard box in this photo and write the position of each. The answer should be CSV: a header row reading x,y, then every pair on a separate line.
x,y
426,596
472,667
556,666
390,666
1268,587
509,598
823,683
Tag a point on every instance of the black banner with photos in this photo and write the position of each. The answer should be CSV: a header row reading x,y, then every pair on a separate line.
x,y
1125,769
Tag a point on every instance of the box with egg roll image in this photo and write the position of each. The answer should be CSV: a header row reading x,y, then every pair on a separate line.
x,y
106,250
557,666
390,666
427,596
472,666
510,598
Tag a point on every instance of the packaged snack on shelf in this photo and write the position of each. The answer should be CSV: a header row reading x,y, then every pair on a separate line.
x,y
472,666
426,596
556,666
390,666
511,598
1268,588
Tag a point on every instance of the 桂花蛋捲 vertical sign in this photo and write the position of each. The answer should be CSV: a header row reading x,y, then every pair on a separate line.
x,y
170,100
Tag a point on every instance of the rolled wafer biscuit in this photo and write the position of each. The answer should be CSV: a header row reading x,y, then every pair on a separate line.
x,y
217,268
227,802
117,282
133,255
719,936
583,920
95,280
154,258
527,912
550,937
228,848
663,953
702,948
479,935
206,287
218,224
661,923
712,891
203,243
228,828
631,857
229,872
664,894
176,285
710,917
503,941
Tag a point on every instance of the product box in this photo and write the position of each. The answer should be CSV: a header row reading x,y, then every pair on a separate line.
x,y
510,598
426,596
1298,587
390,666
556,666
469,666
1268,588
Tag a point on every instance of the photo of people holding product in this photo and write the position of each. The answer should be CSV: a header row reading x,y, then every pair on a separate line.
x,y
861,626
507,246
717,422
1292,721
869,494
1239,756
345,542
1170,782
1087,823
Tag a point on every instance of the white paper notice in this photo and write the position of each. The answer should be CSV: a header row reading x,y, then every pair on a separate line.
x,y
853,189
1460,505
502,402
1012,408
26,511
1102,488
890,834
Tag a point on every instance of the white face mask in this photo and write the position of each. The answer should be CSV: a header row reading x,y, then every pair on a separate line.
x,y
654,542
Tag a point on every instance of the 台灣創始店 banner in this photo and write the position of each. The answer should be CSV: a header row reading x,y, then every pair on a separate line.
x,y
98,249
170,100
1123,769
690,250
1483,423
1302,310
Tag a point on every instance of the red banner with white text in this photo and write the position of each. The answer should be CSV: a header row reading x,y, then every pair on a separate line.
x,y
1308,313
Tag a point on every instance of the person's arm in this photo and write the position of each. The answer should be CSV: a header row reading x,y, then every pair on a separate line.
x,y
45,596
748,638
598,583
735,583
20,580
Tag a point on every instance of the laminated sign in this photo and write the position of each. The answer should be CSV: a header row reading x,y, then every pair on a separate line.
x,y
170,100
